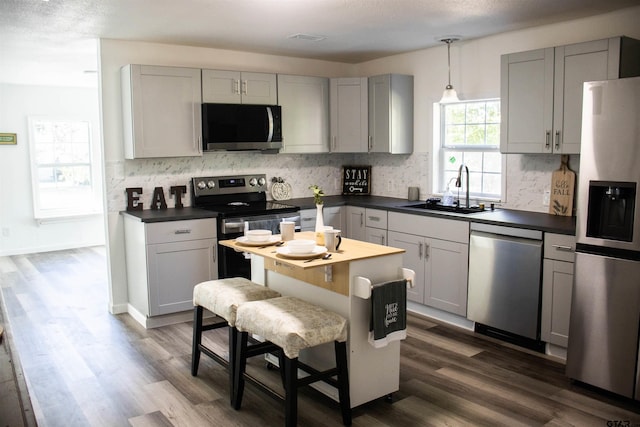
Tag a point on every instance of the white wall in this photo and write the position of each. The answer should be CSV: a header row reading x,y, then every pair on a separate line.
x,y
475,74
20,231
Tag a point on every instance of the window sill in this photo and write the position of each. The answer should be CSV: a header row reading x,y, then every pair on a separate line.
x,y
52,218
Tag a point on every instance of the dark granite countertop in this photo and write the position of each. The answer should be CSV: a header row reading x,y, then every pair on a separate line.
x,y
172,214
504,217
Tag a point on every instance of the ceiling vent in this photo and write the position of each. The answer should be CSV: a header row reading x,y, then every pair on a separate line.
x,y
307,37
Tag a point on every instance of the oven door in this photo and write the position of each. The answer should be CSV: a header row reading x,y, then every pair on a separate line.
x,y
238,264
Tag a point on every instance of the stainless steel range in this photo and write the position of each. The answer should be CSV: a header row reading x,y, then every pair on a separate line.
x,y
240,201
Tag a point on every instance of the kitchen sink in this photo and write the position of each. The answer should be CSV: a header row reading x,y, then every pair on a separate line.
x,y
443,208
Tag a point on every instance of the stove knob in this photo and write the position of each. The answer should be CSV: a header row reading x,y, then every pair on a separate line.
x,y
261,182
211,184
253,182
202,185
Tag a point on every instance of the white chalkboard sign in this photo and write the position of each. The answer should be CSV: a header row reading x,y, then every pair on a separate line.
x,y
356,180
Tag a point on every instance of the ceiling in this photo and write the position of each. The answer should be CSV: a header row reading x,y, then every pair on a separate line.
x,y
37,32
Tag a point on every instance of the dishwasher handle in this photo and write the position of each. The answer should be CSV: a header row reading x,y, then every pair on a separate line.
x,y
506,231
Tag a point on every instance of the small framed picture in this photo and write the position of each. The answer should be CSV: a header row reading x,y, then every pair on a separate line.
x,y
8,139
356,180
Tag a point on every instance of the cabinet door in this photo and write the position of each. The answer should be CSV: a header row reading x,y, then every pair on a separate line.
x,y
349,115
446,276
259,88
305,113
413,258
574,65
333,216
161,111
355,223
391,114
557,285
235,87
174,269
307,220
221,86
376,235
526,99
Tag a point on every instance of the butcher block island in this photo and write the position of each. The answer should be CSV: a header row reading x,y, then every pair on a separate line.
x,y
342,284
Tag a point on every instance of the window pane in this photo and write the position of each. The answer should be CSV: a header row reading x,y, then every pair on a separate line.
x,y
475,112
470,135
455,135
62,164
455,114
492,162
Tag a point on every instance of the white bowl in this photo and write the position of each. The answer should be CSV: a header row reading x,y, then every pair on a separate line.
x,y
258,235
301,246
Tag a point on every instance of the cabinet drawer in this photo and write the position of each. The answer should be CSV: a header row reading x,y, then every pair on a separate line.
x,y
428,226
180,231
376,218
559,246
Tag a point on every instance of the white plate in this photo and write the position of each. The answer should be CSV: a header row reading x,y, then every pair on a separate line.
x,y
286,252
244,241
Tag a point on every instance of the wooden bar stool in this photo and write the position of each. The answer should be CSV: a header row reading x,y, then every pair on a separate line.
x,y
222,297
290,325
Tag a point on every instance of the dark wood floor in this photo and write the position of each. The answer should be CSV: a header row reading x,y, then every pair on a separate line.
x,y
85,367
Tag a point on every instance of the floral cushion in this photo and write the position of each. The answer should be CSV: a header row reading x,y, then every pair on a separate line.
x,y
223,296
291,323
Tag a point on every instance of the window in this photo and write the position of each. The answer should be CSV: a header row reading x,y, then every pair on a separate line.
x,y
61,156
469,134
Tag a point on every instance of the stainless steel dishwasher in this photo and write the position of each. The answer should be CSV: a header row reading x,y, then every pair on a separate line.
x,y
505,266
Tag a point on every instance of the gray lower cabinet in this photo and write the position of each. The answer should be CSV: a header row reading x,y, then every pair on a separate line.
x,y
439,255
557,285
376,226
165,260
331,216
355,223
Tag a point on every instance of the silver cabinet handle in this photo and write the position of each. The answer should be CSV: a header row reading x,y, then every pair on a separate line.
x,y
420,250
370,142
236,86
383,243
548,139
426,251
244,87
557,140
563,248
335,142
361,219
374,218
182,231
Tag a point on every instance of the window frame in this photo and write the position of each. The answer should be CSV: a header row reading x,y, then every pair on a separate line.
x,y
439,183
86,206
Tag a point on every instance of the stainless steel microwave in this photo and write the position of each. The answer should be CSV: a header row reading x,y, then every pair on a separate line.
x,y
241,127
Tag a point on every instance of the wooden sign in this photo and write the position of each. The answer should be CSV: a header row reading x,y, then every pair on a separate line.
x,y
356,180
563,183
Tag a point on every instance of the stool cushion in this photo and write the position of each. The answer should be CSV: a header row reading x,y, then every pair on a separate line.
x,y
223,296
291,324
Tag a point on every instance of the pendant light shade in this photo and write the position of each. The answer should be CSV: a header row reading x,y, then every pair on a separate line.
x,y
449,94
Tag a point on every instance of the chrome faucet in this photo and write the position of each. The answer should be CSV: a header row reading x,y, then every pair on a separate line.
x,y
459,183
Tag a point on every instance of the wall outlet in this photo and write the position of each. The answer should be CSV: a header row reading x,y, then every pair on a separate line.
x,y
546,197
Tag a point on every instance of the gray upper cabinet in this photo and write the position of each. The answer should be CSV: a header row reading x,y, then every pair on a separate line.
x,y
349,115
541,92
239,87
305,113
391,114
161,111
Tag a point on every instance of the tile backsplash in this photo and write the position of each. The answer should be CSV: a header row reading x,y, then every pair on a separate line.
x,y
528,176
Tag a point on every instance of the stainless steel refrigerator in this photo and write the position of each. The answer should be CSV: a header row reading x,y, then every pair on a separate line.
x,y
605,309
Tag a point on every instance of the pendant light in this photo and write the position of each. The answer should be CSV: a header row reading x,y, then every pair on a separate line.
x,y
449,94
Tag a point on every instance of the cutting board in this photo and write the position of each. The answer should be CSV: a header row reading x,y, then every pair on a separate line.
x,y
563,183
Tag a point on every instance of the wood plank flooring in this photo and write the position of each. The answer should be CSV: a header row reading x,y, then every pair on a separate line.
x,y
85,367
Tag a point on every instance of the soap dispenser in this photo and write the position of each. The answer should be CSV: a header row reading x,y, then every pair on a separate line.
x,y
447,197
